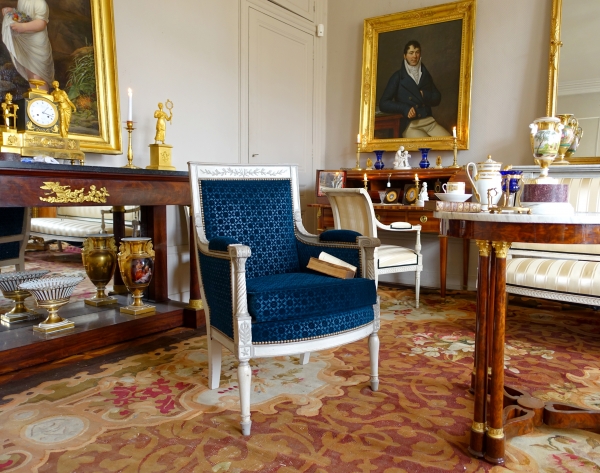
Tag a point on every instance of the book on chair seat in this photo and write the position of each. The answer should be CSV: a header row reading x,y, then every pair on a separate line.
x,y
332,266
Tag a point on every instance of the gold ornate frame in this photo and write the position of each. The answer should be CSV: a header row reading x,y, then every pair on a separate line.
x,y
555,44
459,11
553,62
109,139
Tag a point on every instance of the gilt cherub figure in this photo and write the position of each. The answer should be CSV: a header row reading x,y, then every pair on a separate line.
x,y
9,110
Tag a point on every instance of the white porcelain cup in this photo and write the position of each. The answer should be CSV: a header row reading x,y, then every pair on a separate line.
x,y
454,187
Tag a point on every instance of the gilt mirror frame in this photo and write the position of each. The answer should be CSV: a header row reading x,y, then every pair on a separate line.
x,y
109,139
553,67
425,25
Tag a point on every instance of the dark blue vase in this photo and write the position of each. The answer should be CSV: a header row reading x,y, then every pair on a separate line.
x,y
379,163
424,163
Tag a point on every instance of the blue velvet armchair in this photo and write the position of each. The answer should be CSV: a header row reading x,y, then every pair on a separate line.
x,y
259,297
14,235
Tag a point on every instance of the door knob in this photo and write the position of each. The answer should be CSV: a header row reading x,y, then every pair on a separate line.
x,y
255,154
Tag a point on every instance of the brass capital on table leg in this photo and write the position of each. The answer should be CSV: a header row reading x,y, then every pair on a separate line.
x,y
501,248
484,247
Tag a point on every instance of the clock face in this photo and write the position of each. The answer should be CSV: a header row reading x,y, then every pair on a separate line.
x,y
42,112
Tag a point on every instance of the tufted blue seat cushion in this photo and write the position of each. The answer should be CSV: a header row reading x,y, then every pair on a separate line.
x,y
302,328
288,296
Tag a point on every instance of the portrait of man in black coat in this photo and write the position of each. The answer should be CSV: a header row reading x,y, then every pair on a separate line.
x,y
411,92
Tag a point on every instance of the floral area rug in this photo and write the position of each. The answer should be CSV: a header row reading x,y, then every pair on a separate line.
x,y
65,263
152,412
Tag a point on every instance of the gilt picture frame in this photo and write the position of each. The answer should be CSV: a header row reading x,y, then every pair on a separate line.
x,y
445,35
82,38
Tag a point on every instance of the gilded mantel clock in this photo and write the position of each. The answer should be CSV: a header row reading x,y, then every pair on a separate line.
x,y
35,127
41,115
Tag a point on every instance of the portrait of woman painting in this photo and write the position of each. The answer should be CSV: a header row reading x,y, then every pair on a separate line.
x,y
65,41
417,78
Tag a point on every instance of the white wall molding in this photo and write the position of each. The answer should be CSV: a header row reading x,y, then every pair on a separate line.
x,y
576,87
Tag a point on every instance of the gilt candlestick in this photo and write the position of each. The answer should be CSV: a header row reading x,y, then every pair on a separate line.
x,y
454,164
357,167
130,164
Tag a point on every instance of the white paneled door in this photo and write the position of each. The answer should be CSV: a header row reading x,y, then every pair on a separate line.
x,y
280,96
304,8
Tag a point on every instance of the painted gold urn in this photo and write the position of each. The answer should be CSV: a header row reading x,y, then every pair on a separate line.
x,y
545,143
136,263
570,125
99,257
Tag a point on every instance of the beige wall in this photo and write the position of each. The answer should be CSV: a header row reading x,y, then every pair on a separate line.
x,y
509,77
186,51
509,90
189,51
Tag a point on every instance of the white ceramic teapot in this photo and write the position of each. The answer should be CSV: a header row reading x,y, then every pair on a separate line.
x,y
486,176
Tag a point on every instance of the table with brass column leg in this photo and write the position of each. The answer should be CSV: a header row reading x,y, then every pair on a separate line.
x,y
494,233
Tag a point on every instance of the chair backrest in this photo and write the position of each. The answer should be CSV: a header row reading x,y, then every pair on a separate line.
x,y
352,210
255,205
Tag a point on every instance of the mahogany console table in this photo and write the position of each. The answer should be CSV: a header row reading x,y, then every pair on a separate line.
x,y
389,213
21,186
494,233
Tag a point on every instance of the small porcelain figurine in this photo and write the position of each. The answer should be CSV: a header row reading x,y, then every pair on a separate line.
x,y
423,193
401,159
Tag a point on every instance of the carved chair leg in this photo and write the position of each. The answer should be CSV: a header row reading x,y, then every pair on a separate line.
x,y
374,355
417,287
304,358
214,363
244,382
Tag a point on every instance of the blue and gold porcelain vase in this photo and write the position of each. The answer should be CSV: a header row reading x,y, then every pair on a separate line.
x,y
424,163
379,163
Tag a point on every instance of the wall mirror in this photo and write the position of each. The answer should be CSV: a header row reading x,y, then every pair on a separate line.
x,y
574,72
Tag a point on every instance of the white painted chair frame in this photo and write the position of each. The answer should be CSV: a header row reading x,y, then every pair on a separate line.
x,y
241,346
352,209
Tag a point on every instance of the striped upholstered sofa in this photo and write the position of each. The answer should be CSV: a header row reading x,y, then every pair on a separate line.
x,y
569,273
72,224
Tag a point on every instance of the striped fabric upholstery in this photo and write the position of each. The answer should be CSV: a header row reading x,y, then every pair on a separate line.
x,y
567,276
569,273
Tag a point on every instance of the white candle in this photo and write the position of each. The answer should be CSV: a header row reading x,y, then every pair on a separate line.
x,y
365,177
454,132
416,177
358,138
130,112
